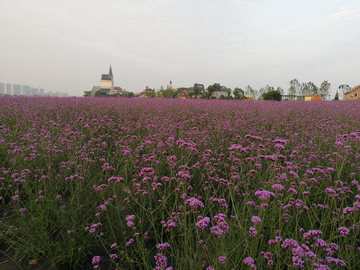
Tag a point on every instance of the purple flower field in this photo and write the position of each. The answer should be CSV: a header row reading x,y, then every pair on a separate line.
x,y
118,183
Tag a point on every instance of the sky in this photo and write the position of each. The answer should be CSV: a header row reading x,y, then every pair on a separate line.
x,y
65,46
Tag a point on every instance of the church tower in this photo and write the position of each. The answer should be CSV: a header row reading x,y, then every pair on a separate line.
x,y
169,86
107,82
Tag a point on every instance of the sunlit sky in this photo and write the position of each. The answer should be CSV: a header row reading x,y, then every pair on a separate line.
x,y
65,46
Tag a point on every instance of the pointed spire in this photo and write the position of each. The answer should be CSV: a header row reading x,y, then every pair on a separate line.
x,y
110,72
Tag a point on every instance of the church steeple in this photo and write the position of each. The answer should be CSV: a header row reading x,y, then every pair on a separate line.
x,y
110,73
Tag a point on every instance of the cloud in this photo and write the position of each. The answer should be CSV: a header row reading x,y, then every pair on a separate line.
x,y
346,13
316,26
282,32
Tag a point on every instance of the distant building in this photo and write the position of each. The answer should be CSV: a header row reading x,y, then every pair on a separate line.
x,y
146,92
107,82
2,88
184,93
118,89
34,91
17,89
200,87
169,86
8,88
353,94
318,97
223,88
26,90
221,92
288,97
41,92
249,97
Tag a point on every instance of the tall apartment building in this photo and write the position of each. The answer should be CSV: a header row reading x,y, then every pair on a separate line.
x,y
26,90
2,88
8,89
34,91
17,89
41,92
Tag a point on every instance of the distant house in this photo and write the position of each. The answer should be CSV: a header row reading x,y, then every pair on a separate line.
x,y
200,87
223,88
221,92
353,94
146,92
184,93
288,97
118,89
318,97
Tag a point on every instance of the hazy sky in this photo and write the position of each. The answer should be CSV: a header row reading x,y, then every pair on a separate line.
x,y
66,45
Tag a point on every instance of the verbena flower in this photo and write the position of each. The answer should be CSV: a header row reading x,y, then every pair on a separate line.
x,y
343,231
256,219
249,261
222,259
96,259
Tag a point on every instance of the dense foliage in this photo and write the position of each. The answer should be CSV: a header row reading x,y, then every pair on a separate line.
x,y
272,95
181,184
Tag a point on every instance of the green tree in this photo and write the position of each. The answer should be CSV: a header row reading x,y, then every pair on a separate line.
x,y
169,93
228,93
87,93
314,90
212,88
308,89
100,94
206,95
280,90
262,91
294,87
128,94
252,92
150,93
325,88
196,92
178,91
272,95
238,93
160,93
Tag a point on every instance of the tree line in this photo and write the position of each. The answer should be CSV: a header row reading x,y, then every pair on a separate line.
x,y
267,92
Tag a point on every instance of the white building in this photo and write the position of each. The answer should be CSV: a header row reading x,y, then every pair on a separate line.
x,y
17,89
2,88
8,89
107,82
